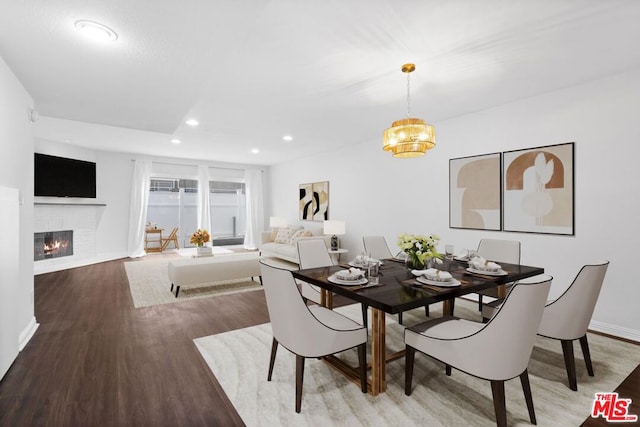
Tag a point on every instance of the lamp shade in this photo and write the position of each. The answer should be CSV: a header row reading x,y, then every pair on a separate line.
x,y
277,222
335,227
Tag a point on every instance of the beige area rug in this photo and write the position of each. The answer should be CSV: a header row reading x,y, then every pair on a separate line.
x,y
240,359
150,285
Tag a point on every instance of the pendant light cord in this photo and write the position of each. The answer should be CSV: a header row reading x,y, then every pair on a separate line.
x,y
408,97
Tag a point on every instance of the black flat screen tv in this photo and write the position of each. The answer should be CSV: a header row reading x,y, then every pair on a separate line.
x,y
63,177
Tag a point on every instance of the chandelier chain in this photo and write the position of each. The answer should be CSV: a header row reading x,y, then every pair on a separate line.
x,y
408,96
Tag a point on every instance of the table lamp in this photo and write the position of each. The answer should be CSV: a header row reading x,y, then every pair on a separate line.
x,y
334,228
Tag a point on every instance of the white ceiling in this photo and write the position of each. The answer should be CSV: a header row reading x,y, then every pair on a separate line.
x,y
326,72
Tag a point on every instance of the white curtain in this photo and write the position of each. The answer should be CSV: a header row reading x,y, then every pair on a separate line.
x,y
204,205
255,209
138,207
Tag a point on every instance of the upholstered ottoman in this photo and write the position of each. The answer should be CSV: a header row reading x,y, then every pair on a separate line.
x,y
193,271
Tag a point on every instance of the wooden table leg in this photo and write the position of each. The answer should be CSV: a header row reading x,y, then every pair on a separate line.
x,y
502,291
378,352
447,307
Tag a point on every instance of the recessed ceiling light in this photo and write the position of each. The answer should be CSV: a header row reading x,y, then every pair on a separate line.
x,y
287,138
176,141
192,122
96,31
255,151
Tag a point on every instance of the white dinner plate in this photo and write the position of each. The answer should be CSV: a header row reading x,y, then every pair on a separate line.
x,y
358,282
487,273
447,284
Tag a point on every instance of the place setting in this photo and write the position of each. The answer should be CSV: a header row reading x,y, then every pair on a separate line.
x,y
435,279
483,267
356,278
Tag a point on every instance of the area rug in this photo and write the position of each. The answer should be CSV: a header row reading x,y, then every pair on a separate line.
x,y
150,285
239,360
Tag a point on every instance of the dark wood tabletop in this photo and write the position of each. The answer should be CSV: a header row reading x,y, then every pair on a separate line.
x,y
400,291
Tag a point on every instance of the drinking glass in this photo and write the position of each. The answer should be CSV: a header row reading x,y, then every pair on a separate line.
x,y
373,272
448,251
472,253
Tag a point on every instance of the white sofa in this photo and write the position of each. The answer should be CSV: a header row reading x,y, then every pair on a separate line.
x,y
288,250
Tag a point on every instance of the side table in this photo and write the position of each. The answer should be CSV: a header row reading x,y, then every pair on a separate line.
x,y
335,255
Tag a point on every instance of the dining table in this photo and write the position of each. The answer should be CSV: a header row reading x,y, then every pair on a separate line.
x,y
399,290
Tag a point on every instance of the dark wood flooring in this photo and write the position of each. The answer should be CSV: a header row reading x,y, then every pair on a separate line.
x,y
98,361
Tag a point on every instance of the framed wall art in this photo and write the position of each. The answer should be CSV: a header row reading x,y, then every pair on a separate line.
x,y
538,190
474,192
314,201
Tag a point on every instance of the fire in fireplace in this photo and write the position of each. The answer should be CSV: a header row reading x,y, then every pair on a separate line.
x,y
52,244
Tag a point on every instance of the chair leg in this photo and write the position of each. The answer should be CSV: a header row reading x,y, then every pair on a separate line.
x,y
570,363
365,309
410,355
177,291
362,357
480,303
587,355
499,405
447,370
299,377
172,287
426,310
274,349
400,318
526,388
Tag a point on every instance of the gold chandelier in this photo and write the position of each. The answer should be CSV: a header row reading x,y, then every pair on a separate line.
x,y
409,137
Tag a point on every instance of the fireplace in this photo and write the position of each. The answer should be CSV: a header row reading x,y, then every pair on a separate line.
x,y
52,244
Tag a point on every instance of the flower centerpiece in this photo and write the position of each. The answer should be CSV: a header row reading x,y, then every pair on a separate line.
x,y
200,237
420,249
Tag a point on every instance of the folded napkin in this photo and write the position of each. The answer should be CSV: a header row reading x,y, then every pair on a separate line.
x,y
480,263
350,274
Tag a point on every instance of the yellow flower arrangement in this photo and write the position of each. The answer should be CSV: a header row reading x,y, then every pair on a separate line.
x,y
200,237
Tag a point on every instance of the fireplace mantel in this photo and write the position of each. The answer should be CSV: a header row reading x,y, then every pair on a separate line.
x,y
67,201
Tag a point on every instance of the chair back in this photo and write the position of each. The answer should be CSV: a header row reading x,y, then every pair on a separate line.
x,y
293,325
376,247
568,317
500,250
502,348
313,253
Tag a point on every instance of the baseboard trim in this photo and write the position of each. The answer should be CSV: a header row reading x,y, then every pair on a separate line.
x,y
615,331
27,333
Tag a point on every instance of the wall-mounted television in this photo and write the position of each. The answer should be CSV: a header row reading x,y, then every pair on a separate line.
x,y
63,177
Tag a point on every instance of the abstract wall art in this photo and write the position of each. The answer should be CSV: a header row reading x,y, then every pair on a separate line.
x,y
538,190
474,192
314,201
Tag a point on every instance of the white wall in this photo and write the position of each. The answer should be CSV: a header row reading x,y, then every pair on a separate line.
x,y
16,171
376,194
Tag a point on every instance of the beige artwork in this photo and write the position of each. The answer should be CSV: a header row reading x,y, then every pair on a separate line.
x,y
475,192
538,190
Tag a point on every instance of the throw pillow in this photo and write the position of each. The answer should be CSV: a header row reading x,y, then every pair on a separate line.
x,y
299,234
284,235
274,233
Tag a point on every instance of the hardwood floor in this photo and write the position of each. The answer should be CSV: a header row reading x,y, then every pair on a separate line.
x,y
96,360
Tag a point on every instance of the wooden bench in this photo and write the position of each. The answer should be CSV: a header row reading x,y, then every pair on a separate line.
x,y
194,271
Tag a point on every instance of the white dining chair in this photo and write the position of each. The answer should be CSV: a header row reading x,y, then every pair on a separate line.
x,y
313,253
376,247
496,351
307,331
567,317
498,250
